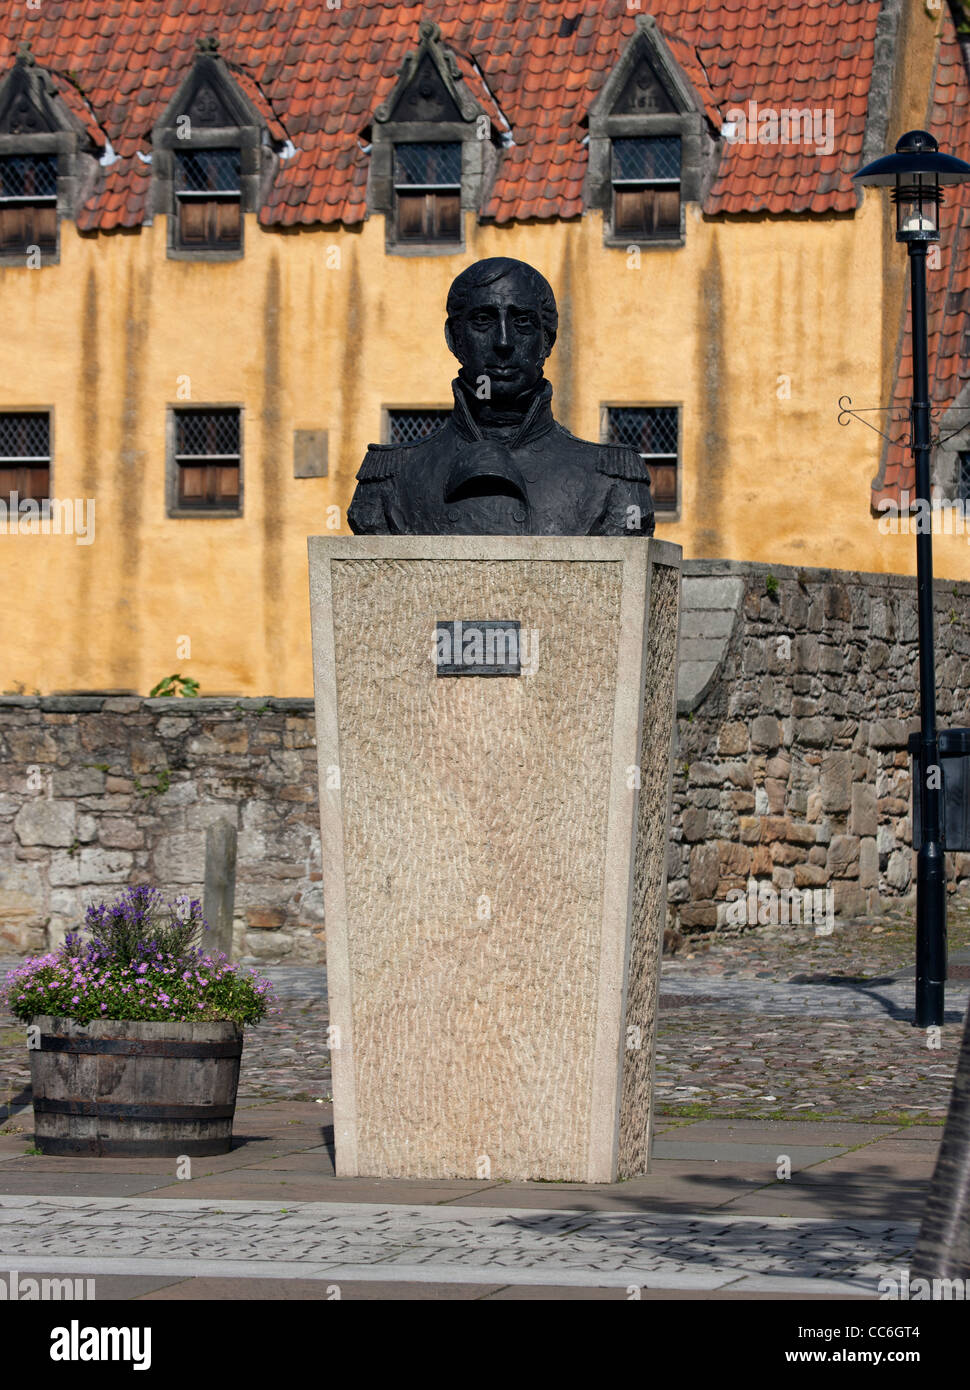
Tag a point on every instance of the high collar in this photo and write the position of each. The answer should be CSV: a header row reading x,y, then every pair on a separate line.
x,y
536,419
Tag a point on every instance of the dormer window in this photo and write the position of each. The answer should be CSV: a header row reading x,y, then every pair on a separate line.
x,y
433,151
427,191
208,200
48,163
646,187
28,203
652,141
213,160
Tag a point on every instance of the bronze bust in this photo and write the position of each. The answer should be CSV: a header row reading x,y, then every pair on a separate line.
x,y
501,465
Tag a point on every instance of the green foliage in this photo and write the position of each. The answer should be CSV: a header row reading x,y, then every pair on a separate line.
x,y
158,990
163,780
175,685
141,960
771,586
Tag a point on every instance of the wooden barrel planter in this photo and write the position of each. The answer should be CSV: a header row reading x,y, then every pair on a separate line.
x,y
156,1089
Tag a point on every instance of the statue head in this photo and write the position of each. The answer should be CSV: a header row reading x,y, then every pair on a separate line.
x,y
501,325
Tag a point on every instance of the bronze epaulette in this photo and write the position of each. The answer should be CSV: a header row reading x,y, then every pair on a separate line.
x,y
618,461
381,461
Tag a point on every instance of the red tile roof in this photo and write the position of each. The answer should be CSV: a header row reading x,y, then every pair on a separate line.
x,y
318,73
947,281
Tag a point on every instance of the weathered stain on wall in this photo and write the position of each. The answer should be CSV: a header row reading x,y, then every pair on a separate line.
x,y
272,458
104,335
709,486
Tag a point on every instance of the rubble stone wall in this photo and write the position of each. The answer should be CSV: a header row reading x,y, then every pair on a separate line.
x,y
797,691
791,768
98,792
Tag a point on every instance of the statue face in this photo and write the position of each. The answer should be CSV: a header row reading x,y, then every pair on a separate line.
x,y
499,336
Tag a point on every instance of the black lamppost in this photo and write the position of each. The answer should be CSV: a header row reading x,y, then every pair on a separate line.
x,y
915,173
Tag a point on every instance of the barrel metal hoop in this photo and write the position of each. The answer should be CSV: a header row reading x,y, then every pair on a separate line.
x,y
112,1110
140,1047
134,1148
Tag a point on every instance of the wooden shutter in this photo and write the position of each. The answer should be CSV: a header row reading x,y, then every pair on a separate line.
x,y
209,485
226,485
666,211
26,482
629,217
446,215
215,222
191,485
663,485
42,228
647,213
410,216
12,224
225,222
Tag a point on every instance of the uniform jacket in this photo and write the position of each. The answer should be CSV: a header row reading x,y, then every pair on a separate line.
x,y
535,480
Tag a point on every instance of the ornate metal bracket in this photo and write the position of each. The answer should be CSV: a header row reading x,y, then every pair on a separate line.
x,y
899,415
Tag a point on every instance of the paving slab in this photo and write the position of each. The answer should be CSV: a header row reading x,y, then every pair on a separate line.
x,y
879,1164
733,1293
263,1290
838,1134
112,1287
931,1132
102,1184
318,1160
262,1184
764,1155
837,1196
450,1244
680,1187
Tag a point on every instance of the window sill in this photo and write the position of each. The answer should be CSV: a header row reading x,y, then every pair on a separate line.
x,y
12,259
424,248
204,513
180,253
664,244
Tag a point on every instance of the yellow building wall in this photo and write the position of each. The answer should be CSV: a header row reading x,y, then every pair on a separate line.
x,y
754,327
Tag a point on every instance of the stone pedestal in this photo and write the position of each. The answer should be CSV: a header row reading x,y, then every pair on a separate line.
x,y
494,851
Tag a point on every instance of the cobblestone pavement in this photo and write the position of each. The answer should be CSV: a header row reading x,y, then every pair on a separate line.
x,y
453,1244
775,1023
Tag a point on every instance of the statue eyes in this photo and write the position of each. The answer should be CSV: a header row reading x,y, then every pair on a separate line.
x,y
523,322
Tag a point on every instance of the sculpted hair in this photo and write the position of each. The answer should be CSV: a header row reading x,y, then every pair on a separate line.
x,y
494,268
